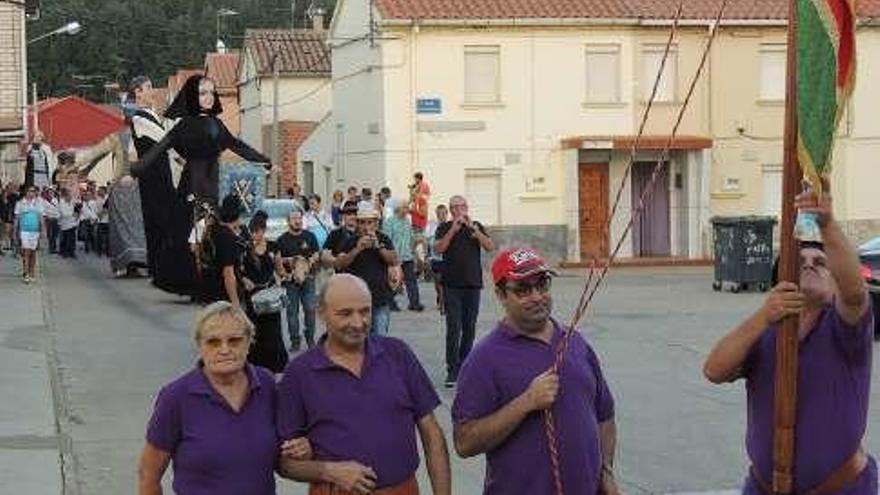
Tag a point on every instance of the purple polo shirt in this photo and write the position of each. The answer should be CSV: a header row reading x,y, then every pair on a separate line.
x,y
834,380
371,419
499,369
215,450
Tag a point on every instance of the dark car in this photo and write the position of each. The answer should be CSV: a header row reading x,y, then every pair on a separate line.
x,y
869,255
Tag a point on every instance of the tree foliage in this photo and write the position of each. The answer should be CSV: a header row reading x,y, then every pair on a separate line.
x,y
124,38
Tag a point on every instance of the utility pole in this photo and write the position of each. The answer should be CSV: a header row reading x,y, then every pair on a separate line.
x,y
293,14
36,109
275,154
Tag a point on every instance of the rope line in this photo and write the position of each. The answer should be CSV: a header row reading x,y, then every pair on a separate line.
x,y
594,282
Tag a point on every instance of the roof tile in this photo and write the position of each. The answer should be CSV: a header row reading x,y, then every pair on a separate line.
x,y
299,51
223,69
591,9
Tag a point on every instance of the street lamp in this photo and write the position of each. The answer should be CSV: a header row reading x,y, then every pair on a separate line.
x,y
223,12
71,28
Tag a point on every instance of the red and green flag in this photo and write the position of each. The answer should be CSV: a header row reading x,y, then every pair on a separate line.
x,y
826,47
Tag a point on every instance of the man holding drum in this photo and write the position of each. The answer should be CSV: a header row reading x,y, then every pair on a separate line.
x,y
297,254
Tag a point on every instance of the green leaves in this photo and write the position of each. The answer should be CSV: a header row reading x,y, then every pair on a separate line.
x,y
124,38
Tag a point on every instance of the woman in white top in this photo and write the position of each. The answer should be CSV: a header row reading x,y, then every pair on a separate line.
x,y
52,214
318,221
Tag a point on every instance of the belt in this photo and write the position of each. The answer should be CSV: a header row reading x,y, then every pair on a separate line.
x,y
408,487
843,476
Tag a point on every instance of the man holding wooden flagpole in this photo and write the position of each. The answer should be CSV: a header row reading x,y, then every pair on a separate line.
x,y
806,354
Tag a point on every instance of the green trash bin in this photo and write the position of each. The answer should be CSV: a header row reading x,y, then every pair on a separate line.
x,y
743,252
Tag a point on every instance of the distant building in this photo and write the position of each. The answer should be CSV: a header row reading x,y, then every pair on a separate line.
x,y
301,59
13,91
530,110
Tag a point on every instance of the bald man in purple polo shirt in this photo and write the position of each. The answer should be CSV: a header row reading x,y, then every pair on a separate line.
x,y
359,399
834,368
506,383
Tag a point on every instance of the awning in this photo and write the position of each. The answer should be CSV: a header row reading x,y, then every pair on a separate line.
x,y
646,143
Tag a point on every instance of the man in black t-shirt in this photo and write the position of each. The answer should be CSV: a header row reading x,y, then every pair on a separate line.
x,y
460,241
225,246
337,238
368,255
297,254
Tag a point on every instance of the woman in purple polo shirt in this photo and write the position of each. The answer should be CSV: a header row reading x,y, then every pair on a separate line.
x,y
216,423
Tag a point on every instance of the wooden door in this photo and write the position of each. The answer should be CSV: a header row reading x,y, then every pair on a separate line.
x,y
593,210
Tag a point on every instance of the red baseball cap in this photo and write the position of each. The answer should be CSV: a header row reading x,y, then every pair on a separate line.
x,y
518,264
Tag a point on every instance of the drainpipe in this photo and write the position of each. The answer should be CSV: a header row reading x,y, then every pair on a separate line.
x,y
705,173
413,94
275,153
36,110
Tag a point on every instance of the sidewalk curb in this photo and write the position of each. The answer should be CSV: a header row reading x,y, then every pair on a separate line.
x,y
70,486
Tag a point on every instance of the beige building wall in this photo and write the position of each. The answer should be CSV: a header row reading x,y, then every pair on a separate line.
x,y
303,99
858,154
518,138
378,138
748,132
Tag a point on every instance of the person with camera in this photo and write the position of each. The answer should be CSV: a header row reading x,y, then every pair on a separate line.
x,y
296,255
461,242
370,256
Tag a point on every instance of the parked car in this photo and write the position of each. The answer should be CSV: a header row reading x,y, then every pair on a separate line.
x,y
278,210
869,255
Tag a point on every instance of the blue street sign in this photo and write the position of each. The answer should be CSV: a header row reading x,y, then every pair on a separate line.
x,y
429,105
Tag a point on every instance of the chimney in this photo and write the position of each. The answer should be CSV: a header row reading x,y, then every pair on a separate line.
x,y
317,15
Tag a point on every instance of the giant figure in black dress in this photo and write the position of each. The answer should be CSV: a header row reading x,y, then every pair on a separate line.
x,y
198,137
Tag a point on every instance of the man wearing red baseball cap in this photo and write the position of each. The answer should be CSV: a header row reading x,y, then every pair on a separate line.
x,y
507,381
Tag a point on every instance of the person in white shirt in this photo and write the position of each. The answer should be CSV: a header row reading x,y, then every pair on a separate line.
x,y
318,221
102,233
51,215
88,217
29,223
67,221
41,163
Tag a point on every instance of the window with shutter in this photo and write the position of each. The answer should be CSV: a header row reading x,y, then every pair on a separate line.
x,y
772,72
482,74
652,57
603,73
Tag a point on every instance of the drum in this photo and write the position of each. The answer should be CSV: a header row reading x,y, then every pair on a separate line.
x,y
297,270
270,300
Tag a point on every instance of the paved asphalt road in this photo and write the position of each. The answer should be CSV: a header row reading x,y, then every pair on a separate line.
x,y
113,343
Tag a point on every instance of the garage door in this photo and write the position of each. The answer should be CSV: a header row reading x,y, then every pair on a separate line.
x,y
483,193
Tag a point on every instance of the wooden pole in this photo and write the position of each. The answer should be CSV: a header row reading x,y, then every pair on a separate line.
x,y
785,403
